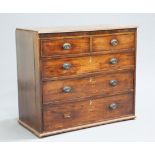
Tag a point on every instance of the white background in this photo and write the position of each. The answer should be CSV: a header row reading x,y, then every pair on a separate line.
x,y
141,129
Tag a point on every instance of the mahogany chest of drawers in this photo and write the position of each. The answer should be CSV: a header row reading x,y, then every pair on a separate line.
x,y
75,77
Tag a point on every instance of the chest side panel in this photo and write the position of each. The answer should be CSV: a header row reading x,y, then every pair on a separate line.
x,y
28,79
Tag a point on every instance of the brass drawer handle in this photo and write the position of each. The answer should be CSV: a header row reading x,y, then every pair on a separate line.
x,y
113,82
113,61
67,46
67,115
67,89
66,66
113,106
114,42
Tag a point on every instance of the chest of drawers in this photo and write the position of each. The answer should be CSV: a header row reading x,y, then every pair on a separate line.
x,y
75,77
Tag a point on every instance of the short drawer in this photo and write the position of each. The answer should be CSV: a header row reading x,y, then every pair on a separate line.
x,y
52,68
73,89
54,47
113,42
57,117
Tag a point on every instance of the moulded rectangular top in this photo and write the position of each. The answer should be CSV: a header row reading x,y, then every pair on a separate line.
x,y
75,28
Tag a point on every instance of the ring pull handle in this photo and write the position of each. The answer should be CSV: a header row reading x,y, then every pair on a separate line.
x,y
67,89
66,66
113,61
113,82
113,106
114,42
67,46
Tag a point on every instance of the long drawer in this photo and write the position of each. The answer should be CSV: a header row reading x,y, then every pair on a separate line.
x,y
52,68
97,85
57,117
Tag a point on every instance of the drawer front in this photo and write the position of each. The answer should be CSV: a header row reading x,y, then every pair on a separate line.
x,y
83,65
113,42
63,46
73,89
64,116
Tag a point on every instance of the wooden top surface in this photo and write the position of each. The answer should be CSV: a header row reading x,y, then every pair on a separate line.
x,y
75,28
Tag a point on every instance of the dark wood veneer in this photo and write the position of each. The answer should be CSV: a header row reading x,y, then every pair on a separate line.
x,y
85,87
29,90
51,47
83,65
63,116
44,108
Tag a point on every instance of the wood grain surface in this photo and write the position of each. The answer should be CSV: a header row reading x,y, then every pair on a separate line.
x,y
69,29
86,87
29,99
83,65
103,43
44,107
55,47
90,111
